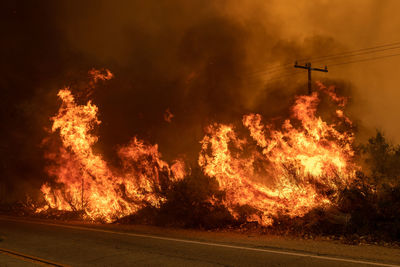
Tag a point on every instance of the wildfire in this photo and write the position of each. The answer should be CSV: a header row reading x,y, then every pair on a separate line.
x,y
289,171
286,170
84,181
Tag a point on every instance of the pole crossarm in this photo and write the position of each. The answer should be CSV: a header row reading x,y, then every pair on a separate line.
x,y
308,67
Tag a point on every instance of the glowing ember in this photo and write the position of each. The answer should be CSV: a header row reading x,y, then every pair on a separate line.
x,y
168,115
289,171
83,179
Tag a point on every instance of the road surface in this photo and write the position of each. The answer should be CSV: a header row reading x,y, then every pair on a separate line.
x,y
29,242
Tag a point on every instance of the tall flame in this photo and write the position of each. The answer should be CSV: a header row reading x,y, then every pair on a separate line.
x,y
83,179
286,170
289,171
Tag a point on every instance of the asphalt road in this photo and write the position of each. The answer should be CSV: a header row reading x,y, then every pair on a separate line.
x,y
27,242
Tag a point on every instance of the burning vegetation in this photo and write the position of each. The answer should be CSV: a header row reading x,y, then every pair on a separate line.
x,y
297,174
290,170
84,181
203,126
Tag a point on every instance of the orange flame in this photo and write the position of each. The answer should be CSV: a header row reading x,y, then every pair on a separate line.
x,y
84,181
290,171
285,171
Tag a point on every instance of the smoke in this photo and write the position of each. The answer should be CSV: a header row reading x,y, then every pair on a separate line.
x,y
200,60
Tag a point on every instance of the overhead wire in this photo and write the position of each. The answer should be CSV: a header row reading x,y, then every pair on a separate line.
x,y
357,54
384,46
329,60
365,59
293,73
369,50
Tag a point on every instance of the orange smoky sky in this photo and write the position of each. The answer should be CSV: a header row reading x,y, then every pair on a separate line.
x,y
205,61
269,33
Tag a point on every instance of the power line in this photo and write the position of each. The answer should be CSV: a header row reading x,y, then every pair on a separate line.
x,y
359,54
309,69
328,59
335,63
376,49
353,51
292,74
275,79
281,73
365,59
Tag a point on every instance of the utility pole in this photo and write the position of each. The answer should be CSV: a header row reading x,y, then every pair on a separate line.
x,y
308,67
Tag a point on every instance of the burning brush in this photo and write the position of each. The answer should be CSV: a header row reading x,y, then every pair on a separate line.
x,y
84,181
285,170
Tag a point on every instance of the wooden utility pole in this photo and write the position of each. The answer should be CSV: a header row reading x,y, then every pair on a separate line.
x,y
308,67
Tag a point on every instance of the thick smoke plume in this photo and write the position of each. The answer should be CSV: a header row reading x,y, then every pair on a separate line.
x,y
199,61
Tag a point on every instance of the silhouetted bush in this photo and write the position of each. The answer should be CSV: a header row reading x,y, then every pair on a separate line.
x,y
194,202
372,202
368,209
374,198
